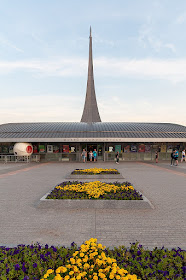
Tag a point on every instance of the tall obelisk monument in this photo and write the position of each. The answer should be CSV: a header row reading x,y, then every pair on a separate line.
x,y
90,112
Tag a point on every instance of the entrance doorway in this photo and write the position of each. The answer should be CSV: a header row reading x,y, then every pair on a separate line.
x,y
91,147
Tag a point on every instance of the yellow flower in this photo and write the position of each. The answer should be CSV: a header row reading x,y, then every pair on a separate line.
x,y
58,270
68,265
102,275
58,277
96,265
111,276
75,268
72,261
86,266
76,253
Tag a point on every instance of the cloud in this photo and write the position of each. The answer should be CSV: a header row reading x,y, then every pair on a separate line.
x,y
147,39
172,70
181,18
41,108
52,67
138,110
166,69
56,108
9,44
37,38
99,40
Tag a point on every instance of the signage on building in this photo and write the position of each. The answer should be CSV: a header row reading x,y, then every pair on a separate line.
x,y
49,148
65,148
41,148
72,149
111,149
118,148
133,148
163,148
141,148
127,149
148,148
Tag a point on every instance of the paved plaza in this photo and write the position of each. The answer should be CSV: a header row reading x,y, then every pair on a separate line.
x,y
22,221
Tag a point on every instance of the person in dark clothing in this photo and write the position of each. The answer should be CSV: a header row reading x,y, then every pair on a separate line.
x,y
172,158
117,157
156,156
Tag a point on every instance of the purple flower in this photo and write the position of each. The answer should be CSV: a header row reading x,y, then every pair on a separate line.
x,y
34,265
24,269
54,249
17,266
7,270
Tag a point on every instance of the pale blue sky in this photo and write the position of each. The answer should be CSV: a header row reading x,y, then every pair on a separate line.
x,y
139,51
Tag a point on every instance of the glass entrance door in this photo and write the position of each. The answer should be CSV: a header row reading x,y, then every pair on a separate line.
x,y
100,152
91,147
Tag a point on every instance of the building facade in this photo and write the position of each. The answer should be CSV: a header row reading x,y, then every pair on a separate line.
x,y
65,141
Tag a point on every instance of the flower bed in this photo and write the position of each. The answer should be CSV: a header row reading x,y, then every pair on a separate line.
x,y
32,262
95,190
95,171
90,261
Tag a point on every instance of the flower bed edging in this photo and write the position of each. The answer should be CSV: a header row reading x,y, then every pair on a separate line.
x,y
101,176
94,204
95,171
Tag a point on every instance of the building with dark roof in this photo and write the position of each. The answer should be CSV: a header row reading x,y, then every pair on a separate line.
x,y
66,140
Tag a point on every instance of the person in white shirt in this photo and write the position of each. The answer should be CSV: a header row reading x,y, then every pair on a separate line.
x,y
183,156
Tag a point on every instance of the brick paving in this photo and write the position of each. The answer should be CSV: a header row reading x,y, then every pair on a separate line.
x,y
22,185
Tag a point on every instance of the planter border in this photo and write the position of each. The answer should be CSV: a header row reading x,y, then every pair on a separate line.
x,y
94,204
98,176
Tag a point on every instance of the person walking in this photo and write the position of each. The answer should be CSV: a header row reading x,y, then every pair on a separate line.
x,y
90,155
183,156
117,157
95,154
156,156
84,155
172,158
176,157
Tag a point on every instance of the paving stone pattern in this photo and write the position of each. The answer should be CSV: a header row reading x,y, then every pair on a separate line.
x,y
21,221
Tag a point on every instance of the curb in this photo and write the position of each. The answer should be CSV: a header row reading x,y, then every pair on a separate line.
x,y
103,176
93,204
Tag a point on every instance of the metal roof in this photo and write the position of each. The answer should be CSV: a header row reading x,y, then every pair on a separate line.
x,y
123,131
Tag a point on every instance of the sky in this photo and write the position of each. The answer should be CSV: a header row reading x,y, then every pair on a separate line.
x,y
139,57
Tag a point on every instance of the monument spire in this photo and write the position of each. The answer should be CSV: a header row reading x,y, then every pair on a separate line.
x,y
90,112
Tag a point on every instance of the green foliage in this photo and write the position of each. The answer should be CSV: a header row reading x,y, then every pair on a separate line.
x,y
32,262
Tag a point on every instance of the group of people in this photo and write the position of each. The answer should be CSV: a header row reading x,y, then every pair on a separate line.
x,y
92,155
174,157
